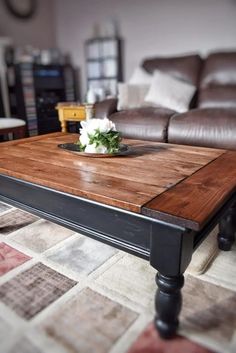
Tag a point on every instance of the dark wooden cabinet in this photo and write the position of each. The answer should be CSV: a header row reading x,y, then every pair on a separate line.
x,y
35,90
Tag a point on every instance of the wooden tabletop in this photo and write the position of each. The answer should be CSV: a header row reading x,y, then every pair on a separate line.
x,y
179,184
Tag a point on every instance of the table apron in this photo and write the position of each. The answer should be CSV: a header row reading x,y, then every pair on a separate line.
x,y
124,230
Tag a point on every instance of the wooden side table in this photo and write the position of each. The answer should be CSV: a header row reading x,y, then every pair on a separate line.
x,y
73,112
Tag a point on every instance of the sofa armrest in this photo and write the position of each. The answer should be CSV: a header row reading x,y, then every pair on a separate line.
x,y
105,108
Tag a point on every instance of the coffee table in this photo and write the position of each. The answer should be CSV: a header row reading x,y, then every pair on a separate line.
x,y
158,201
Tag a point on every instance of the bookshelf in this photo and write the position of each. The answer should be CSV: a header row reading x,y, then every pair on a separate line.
x,y
103,64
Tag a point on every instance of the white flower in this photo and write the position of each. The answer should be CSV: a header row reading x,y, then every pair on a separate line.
x,y
84,138
90,148
93,149
102,125
91,131
89,126
106,125
101,149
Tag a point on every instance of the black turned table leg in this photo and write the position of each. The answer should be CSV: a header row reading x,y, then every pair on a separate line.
x,y
170,254
227,229
168,303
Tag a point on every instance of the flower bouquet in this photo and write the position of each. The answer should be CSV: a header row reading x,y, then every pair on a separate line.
x,y
99,136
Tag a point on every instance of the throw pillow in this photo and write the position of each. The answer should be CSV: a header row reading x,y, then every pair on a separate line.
x,y
140,77
169,92
131,96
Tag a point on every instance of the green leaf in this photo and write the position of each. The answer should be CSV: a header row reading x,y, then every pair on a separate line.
x,y
110,140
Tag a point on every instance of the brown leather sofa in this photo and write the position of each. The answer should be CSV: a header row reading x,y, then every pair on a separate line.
x,y
211,119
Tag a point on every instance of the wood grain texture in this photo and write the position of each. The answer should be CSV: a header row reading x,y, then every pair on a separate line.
x,y
128,182
196,199
31,139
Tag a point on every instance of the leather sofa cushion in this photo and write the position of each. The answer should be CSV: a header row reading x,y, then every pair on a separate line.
x,y
209,127
218,97
186,68
219,69
105,108
143,123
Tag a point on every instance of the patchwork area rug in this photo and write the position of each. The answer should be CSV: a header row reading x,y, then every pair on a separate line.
x,y
61,292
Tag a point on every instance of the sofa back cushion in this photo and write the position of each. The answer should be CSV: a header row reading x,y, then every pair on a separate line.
x,y
218,81
186,68
217,97
219,70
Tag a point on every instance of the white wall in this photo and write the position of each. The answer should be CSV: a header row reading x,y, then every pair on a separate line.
x,y
38,31
148,27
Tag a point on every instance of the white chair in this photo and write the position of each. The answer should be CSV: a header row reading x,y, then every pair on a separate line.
x,y
16,127
13,126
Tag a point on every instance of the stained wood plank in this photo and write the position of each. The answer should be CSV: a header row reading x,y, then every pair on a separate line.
x,y
162,173
105,189
187,157
195,200
34,138
185,149
138,155
128,182
147,149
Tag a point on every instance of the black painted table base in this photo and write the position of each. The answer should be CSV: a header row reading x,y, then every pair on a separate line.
x,y
168,247
168,303
227,229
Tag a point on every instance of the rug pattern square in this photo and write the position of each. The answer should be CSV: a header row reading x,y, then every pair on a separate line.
x,y
10,258
5,328
41,236
4,207
150,342
143,291
82,255
34,289
15,219
90,322
112,305
210,312
24,346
